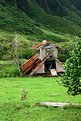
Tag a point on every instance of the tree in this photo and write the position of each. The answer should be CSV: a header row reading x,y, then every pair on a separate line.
x,y
71,77
16,52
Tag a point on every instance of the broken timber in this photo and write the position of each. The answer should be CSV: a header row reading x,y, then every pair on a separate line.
x,y
45,61
53,104
40,64
60,105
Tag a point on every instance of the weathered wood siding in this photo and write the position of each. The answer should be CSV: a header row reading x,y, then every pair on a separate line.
x,y
59,67
55,51
45,50
41,70
42,53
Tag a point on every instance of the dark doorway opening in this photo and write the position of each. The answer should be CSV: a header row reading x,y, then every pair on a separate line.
x,y
50,65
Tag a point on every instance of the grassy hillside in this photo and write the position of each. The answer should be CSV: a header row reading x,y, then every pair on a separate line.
x,y
28,15
12,19
57,21
76,3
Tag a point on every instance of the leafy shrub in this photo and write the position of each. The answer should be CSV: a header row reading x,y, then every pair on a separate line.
x,y
62,57
8,71
71,77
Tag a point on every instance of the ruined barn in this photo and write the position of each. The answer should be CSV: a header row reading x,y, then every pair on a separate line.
x,y
45,61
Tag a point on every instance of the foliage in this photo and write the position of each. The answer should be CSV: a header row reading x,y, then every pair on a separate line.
x,y
8,70
71,77
37,21
33,16
27,41
31,20
6,50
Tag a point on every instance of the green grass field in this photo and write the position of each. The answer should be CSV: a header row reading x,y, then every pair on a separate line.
x,y
12,108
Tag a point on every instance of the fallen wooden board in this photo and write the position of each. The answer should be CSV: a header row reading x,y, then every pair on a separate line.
x,y
59,104
54,104
53,72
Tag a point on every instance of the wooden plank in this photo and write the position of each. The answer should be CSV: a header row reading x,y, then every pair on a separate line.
x,y
53,104
32,66
39,65
60,104
29,63
32,58
53,72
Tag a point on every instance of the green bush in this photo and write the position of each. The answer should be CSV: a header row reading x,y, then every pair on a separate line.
x,y
62,57
71,77
8,71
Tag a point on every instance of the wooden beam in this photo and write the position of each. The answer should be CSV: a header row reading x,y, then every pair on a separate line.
x,y
53,104
34,71
60,104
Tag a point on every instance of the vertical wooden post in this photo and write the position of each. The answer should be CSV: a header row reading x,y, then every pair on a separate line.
x,y
41,55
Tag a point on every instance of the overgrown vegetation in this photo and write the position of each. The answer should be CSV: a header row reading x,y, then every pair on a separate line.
x,y
58,21
7,49
72,75
34,23
30,18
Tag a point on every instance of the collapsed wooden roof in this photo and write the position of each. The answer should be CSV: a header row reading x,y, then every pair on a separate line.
x,y
43,43
33,65
30,64
40,44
